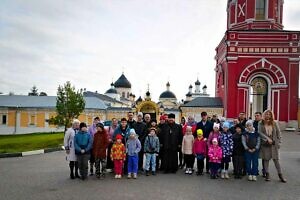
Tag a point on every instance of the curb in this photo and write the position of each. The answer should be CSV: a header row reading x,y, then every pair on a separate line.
x,y
29,153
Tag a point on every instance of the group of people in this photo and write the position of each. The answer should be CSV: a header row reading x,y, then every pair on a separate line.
x,y
143,145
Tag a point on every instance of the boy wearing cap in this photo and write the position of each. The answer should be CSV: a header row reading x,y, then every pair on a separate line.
x,y
200,151
83,145
226,143
100,144
118,156
133,147
251,143
151,148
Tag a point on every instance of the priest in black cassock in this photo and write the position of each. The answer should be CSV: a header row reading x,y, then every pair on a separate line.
x,y
171,136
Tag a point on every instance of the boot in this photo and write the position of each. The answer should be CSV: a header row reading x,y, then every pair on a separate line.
x,y
223,174
91,169
226,174
281,178
267,178
71,165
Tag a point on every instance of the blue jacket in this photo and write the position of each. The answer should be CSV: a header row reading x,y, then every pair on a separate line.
x,y
84,141
125,133
151,144
226,143
133,147
251,140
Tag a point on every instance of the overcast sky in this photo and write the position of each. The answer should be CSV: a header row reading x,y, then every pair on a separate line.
x,y
48,42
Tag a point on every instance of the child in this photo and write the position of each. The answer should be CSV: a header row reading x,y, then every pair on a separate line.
x,y
251,143
215,158
187,150
226,143
238,152
100,144
83,145
133,147
151,147
214,134
199,150
118,155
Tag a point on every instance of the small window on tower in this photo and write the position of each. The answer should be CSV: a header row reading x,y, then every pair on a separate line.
x,y
260,10
123,94
4,119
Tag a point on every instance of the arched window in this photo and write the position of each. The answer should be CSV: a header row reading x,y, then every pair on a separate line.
x,y
260,9
127,94
123,94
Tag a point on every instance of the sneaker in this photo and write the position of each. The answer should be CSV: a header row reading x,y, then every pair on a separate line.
x,y
135,176
190,171
129,176
120,176
153,173
187,171
222,175
254,178
116,176
147,173
226,175
250,178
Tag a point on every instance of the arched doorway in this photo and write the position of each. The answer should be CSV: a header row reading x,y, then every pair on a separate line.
x,y
259,95
148,107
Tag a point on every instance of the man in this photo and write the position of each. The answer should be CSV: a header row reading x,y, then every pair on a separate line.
x,y
130,120
242,119
206,126
147,120
92,130
258,117
162,122
171,135
141,130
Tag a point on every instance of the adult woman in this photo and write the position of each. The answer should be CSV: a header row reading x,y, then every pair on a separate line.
x,y
271,141
70,148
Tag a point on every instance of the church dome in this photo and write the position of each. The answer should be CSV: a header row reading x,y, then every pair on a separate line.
x,y
167,95
122,82
112,90
197,82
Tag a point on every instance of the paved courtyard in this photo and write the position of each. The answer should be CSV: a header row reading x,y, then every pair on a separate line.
x,y
46,177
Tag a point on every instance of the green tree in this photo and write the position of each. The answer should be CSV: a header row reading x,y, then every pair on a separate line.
x,y
43,94
69,104
33,91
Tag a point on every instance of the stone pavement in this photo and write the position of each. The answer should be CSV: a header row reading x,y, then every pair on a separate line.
x,y
46,176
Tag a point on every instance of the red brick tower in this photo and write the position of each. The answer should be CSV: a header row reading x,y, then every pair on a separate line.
x,y
257,62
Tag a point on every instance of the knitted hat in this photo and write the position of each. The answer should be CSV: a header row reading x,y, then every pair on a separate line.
x,y
249,122
226,124
140,114
215,140
100,125
119,136
199,132
163,117
216,125
132,132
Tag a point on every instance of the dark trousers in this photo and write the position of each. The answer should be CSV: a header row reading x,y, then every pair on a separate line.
x,y
189,160
141,159
214,168
72,165
83,164
92,162
238,165
207,164
181,157
200,165
109,162
225,163
100,165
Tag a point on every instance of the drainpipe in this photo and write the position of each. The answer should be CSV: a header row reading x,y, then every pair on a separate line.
x,y
16,118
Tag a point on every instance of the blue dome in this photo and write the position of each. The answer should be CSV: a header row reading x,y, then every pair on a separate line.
x,y
167,95
111,91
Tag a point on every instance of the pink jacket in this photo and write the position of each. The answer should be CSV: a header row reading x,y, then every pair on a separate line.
x,y
215,154
200,147
213,135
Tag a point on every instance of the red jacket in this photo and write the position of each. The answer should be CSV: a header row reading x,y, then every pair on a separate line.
x,y
200,146
100,144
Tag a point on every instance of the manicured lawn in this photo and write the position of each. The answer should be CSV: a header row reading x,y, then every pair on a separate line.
x,y
29,142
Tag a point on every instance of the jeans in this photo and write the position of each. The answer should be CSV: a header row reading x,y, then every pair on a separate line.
x,y
150,158
252,163
133,164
